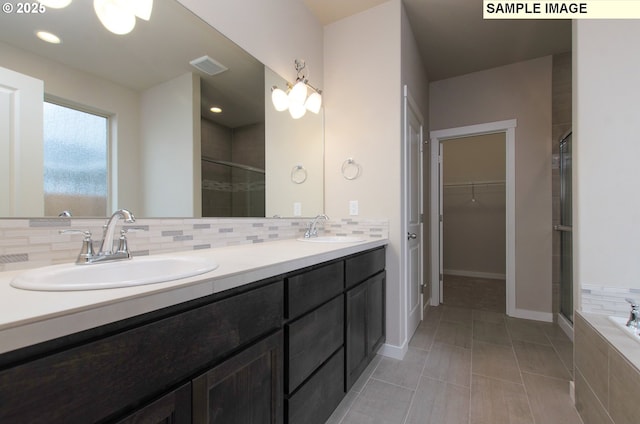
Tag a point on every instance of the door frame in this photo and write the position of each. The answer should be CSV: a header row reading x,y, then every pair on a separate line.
x,y
409,104
508,127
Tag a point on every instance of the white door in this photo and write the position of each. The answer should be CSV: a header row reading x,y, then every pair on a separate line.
x,y
413,211
21,148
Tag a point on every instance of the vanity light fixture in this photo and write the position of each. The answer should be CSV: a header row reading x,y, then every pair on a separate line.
x,y
295,98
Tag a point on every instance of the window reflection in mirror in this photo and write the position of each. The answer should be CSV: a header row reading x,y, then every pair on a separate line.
x,y
75,161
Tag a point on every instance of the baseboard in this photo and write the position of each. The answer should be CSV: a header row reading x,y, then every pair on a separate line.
x,y
476,274
532,315
392,351
565,325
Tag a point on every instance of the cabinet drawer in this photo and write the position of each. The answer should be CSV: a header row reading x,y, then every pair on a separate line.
x,y
361,267
102,378
310,289
319,397
312,339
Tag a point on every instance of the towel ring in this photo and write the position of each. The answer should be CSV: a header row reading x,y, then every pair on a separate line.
x,y
351,169
298,174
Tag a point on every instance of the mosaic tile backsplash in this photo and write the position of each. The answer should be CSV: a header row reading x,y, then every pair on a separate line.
x,y
608,300
30,243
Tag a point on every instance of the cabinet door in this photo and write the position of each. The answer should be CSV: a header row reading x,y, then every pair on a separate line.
x,y
375,313
172,408
247,388
356,333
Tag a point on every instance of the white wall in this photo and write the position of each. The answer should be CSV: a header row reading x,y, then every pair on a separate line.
x,y
606,198
521,91
292,142
363,122
171,144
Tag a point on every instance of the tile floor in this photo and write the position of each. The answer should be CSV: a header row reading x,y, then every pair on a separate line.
x,y
472,367
472,292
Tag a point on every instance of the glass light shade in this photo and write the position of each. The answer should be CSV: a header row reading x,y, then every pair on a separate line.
x,y
297,111
142,8
298,94
279,99
313,103
55,4
115,15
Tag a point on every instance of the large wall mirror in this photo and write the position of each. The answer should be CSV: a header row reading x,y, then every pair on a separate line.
x,y
155,146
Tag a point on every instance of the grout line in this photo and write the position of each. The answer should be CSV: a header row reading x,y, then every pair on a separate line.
x,y
521,377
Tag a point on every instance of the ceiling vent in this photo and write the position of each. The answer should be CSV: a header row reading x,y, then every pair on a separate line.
x,y
208,65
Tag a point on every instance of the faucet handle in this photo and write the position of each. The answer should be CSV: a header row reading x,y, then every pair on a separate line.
x,y
85,233
123,246
634,304
86,252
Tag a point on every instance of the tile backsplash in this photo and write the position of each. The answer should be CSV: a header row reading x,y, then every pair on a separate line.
x,y
608,300
29,243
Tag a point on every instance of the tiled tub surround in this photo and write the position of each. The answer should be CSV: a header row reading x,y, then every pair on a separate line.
x,y
607,371
29,243
29,317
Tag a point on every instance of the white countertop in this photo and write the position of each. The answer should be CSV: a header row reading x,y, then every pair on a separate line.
x,y
30,317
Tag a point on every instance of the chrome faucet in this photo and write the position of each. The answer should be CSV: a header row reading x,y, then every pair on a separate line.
x,y
108,252
634,316
107,248
312,230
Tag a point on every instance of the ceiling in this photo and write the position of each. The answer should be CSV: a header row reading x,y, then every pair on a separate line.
x,y
454,39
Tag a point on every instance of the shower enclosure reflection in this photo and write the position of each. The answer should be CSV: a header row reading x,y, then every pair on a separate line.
x,y
565,228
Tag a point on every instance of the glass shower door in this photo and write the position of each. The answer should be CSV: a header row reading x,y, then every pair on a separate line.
x,y
565,227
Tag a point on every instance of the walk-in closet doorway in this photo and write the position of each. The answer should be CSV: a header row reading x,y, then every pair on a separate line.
x,y
474,222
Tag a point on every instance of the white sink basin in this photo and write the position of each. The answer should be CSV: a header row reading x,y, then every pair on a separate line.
x,y
333,239
135,272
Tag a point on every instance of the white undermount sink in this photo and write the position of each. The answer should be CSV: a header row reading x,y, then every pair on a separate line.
x,y
333,239
135,272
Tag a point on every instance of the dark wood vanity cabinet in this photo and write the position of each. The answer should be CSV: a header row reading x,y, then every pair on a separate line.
x,y
280,350
365,312
338,310
139,369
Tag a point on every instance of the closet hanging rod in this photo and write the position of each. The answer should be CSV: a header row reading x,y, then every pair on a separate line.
x,y
475,183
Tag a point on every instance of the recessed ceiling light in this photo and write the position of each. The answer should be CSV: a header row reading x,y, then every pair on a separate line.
x,y
215,109
48,37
